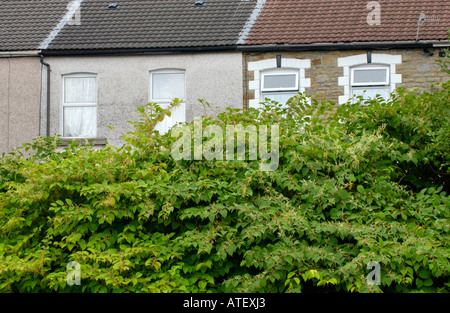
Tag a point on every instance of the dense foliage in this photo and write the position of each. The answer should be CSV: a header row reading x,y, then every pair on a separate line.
x,y
355,183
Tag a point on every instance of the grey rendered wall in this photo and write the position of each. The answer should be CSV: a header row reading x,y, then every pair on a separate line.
x,y
123,85
19,101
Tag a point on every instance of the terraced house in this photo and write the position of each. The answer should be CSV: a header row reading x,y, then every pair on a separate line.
x,y
76,67
107,58
338,49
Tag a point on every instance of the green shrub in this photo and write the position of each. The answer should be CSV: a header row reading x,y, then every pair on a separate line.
x,y
355,184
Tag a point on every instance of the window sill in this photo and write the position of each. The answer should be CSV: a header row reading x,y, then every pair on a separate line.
x,y
84,141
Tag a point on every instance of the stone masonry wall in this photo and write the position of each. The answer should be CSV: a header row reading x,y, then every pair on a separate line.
x,y
417,70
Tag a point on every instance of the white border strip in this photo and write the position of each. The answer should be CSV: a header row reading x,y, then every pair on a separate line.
x,y
72,6
243,35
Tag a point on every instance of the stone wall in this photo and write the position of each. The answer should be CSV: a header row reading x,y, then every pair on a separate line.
x,y
416,70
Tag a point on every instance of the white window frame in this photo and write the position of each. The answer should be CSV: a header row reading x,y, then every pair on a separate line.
x,y
369,85
279,91
259,68
87,104
165,71
373,67
389,60
165,102
277,73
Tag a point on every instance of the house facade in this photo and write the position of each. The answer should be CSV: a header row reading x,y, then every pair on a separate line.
x,y
95,92
101,60
337,50
19,101
81,68
23,26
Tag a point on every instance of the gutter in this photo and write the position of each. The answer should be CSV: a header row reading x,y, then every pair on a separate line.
x,y
48,95
12,54
345,46
139,51
443,44
251,48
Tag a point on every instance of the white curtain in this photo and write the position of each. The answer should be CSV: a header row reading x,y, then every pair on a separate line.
x,y
80,90
168,86
80,107
80,122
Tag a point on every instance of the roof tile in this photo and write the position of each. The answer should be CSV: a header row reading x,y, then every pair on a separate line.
x,y
155,24
332,21
24,24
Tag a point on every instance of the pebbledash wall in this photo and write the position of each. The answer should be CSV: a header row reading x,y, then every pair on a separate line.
x,y
123,86
325,74
19,101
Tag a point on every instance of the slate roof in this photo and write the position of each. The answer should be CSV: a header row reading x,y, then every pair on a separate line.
x,y
151,24
24,24
344,21
147,24
166,24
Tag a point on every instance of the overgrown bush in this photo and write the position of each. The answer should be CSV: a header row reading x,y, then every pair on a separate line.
x,y
355,183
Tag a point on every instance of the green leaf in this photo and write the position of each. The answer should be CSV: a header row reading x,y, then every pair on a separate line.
x,y
305,171
131,210
424,274
419,283
352,178
344,194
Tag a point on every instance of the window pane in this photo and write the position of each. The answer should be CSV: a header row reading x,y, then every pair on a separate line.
x,y
80,122
369,93
280,81
178,116
80,90
370,76
168,86
279,97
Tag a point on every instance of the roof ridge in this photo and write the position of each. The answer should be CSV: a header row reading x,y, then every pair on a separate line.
x,y
72,7
243,35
